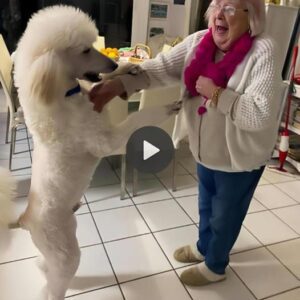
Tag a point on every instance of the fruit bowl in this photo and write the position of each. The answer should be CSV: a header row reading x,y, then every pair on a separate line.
x,y
112,53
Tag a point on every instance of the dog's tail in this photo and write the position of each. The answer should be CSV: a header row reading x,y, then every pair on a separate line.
x,y
7,194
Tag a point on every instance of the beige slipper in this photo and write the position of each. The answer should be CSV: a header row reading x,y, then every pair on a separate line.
x,y
194,277
186,254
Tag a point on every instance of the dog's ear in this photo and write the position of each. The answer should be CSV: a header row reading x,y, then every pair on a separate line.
x,y
44,76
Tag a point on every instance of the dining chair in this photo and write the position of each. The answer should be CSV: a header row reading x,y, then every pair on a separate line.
x,y
6,69
15,117
283,91
99,43
158,97
118,112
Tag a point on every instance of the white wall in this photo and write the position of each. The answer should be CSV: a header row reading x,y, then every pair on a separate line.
x,y
140,21
176,24
279,25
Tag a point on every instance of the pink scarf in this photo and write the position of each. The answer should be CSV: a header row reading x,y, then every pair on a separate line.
x,y
204,61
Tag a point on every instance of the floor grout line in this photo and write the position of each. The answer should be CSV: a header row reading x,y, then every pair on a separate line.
x,y
105,250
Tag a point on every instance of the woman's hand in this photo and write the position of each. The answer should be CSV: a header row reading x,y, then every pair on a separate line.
x,y
102,93
205,87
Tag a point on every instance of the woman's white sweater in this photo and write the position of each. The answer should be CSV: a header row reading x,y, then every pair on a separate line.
x,y
240,133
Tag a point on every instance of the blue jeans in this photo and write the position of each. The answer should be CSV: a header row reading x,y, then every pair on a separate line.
x,y
224,199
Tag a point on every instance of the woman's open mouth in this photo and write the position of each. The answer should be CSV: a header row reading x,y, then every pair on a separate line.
x,y
221,29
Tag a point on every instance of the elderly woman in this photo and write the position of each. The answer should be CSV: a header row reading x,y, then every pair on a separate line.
x,y
230,99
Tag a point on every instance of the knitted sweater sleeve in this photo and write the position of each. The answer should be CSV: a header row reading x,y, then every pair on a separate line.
x,y
165,69
168,66
256,108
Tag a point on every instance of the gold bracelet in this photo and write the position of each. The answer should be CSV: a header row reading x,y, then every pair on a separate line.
x,y
215,95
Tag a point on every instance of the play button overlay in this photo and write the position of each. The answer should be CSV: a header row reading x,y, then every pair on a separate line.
x,y
150,149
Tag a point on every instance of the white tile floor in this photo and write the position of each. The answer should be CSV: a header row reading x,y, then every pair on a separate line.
x,y
127,245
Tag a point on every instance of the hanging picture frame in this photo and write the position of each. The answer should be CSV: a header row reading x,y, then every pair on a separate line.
x,y
158,10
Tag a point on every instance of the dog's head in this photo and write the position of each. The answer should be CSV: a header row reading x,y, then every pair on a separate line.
x,y
56,48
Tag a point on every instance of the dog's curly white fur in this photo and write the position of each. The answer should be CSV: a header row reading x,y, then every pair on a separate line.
x,y
69,137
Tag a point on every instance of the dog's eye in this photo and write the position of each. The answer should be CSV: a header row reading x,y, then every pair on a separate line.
x,y
86,51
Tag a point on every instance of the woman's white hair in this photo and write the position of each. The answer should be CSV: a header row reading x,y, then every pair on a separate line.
x,y
256,15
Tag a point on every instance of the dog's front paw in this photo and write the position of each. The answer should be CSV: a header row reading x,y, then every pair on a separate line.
x,y
123,68
173,108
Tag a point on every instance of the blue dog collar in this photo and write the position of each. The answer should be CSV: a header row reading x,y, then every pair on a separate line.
x,y
73,91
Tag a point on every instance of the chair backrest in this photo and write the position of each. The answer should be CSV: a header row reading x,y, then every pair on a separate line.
x,y
118,112
6,65
158,97
166,48
283,91
99,43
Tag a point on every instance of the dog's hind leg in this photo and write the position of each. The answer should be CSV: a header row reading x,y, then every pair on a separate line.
x,y
55,236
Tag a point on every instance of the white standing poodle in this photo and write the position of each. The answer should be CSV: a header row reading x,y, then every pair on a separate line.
x,y
69,137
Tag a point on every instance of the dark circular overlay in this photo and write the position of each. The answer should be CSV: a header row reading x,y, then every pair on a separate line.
x,y
157,138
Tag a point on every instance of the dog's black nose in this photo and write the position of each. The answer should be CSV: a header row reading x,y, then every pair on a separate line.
x,y
93,77
115,66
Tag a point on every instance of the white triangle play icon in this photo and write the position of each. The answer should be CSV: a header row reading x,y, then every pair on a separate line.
x,y
149,150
